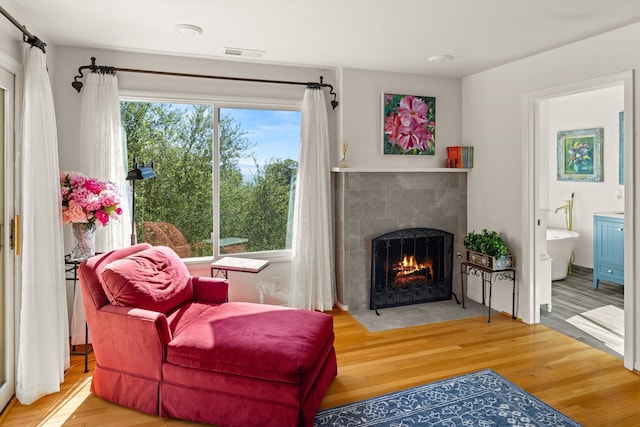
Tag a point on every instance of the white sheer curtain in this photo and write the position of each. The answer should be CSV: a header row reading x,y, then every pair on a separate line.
x,y
43,342
312,268
103,153
104,157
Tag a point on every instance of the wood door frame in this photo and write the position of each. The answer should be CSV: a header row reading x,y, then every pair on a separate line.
x,y
11,262
531,163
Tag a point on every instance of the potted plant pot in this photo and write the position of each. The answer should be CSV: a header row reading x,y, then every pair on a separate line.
x,y
488,250
488,261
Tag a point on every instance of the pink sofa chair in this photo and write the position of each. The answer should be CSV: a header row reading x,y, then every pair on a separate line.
x,y
170,344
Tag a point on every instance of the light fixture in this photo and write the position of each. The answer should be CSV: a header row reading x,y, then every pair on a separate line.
x,y
139,171
438,59
188,30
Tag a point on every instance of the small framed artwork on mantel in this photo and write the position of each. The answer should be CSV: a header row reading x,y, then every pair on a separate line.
x,y
580,155
408,124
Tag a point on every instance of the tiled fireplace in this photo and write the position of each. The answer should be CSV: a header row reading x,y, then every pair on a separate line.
x,y
369,204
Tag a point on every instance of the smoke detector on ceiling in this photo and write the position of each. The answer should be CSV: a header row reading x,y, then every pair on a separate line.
x,y
247,53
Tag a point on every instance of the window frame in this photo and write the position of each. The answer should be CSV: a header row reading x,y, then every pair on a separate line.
x,y
218,102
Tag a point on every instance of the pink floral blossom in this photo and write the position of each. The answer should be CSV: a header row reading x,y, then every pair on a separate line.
x,y
412,110
391,127
74,213
85,200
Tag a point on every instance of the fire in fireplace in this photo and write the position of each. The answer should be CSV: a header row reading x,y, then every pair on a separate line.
x,y
411,266
409,272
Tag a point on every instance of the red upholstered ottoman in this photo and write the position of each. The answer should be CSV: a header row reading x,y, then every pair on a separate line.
x,y
246,364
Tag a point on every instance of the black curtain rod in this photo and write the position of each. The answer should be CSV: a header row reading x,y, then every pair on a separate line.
x,y
27,36
77,85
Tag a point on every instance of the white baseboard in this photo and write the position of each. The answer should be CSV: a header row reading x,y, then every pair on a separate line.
x,y
342,306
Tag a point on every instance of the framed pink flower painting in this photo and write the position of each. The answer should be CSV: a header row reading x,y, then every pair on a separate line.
x,y
409,124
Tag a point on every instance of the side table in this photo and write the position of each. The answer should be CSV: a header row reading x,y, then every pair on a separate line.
x,y
488,276
71,274
247,265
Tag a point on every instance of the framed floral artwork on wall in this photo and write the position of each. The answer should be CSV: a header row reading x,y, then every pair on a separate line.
x,y
580,155
408,124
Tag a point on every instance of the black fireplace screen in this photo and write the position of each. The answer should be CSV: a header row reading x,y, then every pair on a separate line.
x,y
411,266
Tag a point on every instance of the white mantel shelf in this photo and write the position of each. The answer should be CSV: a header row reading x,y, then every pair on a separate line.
x,y
346,170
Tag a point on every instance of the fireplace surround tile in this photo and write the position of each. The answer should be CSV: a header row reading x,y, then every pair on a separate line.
x,y
368,204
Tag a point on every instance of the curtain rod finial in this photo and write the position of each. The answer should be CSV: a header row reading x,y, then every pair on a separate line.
x,y
77,85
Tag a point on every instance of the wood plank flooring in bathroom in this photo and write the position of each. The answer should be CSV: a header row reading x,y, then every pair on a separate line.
x,y
575,295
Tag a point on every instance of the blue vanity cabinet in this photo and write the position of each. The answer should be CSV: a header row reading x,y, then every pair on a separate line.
x,y
608,249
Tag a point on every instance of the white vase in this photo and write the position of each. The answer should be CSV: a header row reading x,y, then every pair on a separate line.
x,y
84,241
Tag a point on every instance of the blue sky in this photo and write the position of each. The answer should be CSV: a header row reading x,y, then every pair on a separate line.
x,y
276,133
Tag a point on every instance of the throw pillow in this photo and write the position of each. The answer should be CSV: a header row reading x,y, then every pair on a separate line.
x,y
154,279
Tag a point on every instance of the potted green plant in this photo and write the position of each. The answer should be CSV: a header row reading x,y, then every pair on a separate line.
x,y
487,249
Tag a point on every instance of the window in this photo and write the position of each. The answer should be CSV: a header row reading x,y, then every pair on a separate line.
x,y
225,176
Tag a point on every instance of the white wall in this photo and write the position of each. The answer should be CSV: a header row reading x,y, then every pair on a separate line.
x,y
494,122
11,43
593,109
361,116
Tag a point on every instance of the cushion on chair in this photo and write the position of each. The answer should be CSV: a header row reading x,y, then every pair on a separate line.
x,y
154,279
253,340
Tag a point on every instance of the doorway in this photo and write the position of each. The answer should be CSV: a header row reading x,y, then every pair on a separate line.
x,y
537,161
579,183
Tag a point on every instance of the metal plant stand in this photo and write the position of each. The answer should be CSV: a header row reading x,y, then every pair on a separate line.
x,y
489,276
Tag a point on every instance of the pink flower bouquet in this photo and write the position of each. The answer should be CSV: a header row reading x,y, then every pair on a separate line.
x,y
85,200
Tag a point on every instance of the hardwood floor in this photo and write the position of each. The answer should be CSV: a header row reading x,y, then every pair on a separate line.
x,y
586,384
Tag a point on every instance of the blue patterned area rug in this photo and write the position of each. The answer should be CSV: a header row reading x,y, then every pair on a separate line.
x,y
481,398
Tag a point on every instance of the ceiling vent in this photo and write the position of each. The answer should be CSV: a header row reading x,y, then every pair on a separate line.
x,y
248,53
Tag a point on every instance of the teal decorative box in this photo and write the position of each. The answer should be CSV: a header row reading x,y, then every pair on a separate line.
x,y
487,261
